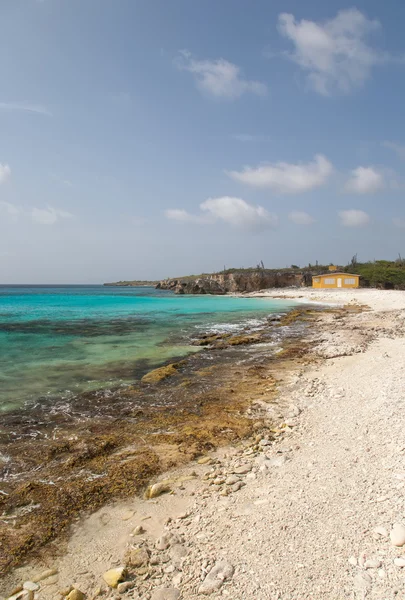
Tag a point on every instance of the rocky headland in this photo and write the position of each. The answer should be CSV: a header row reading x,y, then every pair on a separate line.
x,y
237,281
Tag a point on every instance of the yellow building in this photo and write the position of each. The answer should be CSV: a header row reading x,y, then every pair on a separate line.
x,y
335,280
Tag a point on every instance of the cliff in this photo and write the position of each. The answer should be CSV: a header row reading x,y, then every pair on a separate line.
x,y
243,281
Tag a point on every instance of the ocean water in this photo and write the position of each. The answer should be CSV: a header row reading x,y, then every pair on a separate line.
x,y
63,340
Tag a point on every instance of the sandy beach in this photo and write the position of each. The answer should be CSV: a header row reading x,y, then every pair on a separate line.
x,y
310,508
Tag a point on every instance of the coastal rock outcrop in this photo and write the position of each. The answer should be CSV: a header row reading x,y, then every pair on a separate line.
x,y
238,281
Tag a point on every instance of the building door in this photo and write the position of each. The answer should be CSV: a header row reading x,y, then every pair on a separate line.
x,y
339,281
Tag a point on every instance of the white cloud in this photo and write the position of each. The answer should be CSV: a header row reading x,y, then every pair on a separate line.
x,y
399,222
398,148
5,173
24,107
49,215
335,53
353,218
287,178
181,215
301,218
239,213
233,211
219,78
365,180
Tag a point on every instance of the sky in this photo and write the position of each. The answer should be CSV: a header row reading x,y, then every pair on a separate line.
x,y
152,139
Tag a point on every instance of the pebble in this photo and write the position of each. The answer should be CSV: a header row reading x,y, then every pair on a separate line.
x,y
205,460
138,530
44,575
114,576
157,489
137,557
163,542
381,531
220,572
177,553
372,563
242,470
124,586
353,561
31,586
232,479
397,534
75,595
399,561
66,591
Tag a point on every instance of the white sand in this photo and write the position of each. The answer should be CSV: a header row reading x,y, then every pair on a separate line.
x,y
303,525
379,300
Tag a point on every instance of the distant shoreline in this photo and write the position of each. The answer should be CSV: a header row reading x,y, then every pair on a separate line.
x,y
132,284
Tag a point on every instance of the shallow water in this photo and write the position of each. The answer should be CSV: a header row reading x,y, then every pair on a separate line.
x,y
64,340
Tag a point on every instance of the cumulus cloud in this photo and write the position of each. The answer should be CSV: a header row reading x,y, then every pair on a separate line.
x,y
233,211
219,78
5,173
24,107
336,54
353,218
365,180
399,149
43,216
181,215
286,178
301,218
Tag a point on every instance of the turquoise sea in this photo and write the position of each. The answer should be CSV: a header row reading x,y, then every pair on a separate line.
x,y
63,340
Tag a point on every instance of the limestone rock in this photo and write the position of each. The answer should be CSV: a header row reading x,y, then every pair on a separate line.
x,y
372,563
232,479
220,572
138,530
166,540
114,576
242,470
155,490
397,534
177,553
44,575
137,557
165,594
125,586
380,531
75,595
205,460
31,586
66,591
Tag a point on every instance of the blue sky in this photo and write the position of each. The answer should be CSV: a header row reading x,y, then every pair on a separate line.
x,y
160,138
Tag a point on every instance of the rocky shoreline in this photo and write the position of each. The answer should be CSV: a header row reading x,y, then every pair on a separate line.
x,y
60,460
307,504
